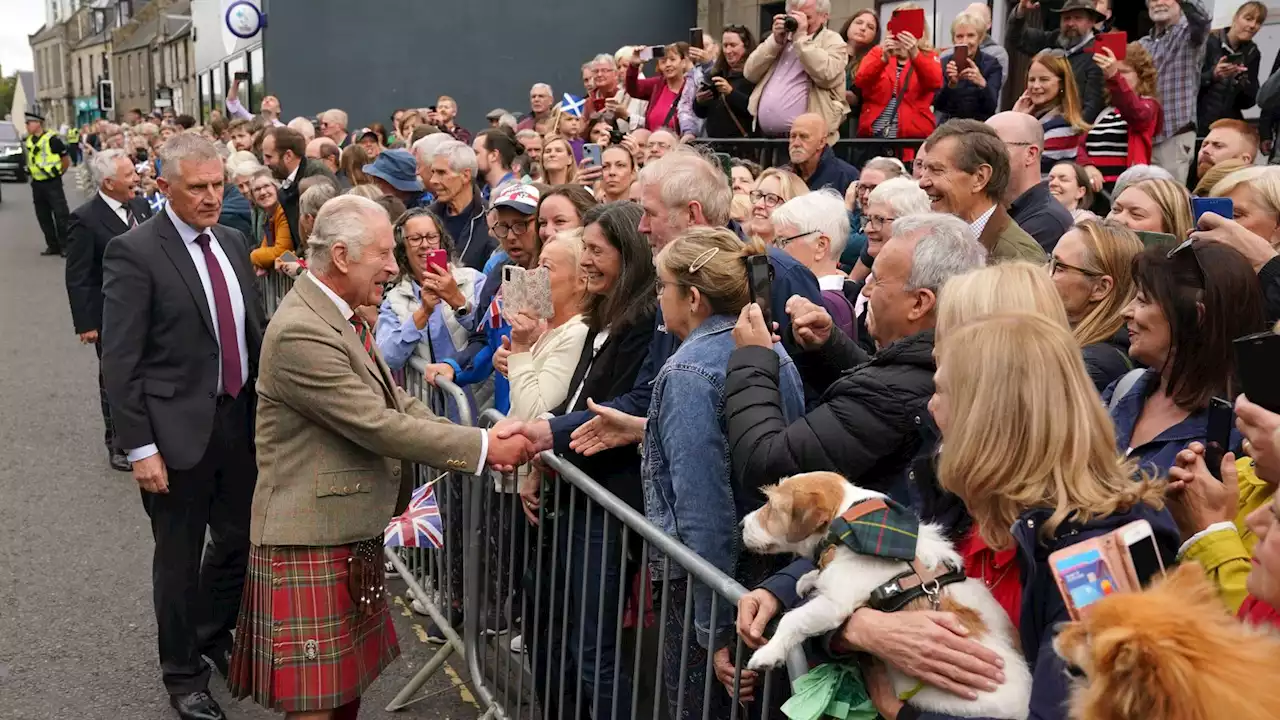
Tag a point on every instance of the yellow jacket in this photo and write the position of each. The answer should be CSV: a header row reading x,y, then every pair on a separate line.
x,y
1226,554
266,254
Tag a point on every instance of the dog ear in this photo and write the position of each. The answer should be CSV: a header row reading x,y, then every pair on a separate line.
x,y
1138,676
808,516
1188,584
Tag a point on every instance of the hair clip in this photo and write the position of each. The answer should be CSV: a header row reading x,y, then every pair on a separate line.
x,y
702,260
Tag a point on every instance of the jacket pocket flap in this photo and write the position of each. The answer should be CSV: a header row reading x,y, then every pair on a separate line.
x,y
344,482
159,388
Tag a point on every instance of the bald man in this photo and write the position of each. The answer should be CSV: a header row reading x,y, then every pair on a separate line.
x,y
813,159
1030,204
988,46
326,151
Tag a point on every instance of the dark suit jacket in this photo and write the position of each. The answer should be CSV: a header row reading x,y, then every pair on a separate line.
x,y
290,196
92,226
159,351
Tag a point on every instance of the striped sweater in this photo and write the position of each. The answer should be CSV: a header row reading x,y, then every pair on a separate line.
x,y
1061,141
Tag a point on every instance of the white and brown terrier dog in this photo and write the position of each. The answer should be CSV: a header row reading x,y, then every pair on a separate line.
x,y
873,552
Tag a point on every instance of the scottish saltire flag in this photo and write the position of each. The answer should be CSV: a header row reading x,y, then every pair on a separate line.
x,y
573,105
420,525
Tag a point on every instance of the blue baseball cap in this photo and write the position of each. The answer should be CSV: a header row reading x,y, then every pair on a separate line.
x,y
397,168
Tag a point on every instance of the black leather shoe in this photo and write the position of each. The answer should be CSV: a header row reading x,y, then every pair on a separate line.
x,y
221,660
119,461
50,251
196,706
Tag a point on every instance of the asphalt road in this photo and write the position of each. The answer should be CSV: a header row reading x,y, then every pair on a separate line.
x,y
77,630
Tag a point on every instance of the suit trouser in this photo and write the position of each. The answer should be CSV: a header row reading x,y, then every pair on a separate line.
x,y
197,587
1175,154
51,211
109,435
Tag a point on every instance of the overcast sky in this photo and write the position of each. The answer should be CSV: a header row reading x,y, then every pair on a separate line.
x,y
21,18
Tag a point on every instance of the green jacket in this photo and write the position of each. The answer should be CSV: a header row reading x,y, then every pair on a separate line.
x,y
1004,240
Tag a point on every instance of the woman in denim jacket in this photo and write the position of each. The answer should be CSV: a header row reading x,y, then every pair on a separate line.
x,y
702,287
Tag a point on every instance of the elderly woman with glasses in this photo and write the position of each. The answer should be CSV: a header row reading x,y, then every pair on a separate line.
x,y
813,229
773,188
276,240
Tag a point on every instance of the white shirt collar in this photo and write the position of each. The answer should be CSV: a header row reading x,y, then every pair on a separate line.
x,y
977,226
289,180
832,282
185,231
343,308
111,202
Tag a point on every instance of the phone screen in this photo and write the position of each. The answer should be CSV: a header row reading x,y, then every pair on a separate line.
x,y
695,38
1087,577
760,277
659,51
1146,560
1218,436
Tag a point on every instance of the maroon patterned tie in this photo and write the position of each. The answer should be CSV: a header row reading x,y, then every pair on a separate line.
x,y
228,338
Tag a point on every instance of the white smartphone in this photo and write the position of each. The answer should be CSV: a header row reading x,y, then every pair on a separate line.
x,y
1144,556
646,54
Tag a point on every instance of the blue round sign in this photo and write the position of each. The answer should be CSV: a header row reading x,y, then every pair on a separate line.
x,y
244,19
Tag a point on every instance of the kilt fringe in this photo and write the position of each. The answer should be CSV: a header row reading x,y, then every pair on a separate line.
x,y
301,645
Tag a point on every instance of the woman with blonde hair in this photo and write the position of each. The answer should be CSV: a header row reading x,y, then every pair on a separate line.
x,y
558,166
1005,287
972,88
1092,268
1255,197
774,187
1158,205
703,290
1053,98
1031,453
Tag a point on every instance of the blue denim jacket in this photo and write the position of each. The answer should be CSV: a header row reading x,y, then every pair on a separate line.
x,y
1157,456
686,469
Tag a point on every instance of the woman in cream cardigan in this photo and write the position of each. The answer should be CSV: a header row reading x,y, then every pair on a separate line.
x,y
540,356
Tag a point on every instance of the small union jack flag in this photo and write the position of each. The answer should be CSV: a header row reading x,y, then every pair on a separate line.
x,y
495,311
420,525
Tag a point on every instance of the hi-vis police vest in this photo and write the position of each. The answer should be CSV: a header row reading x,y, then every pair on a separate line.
x,y
42,162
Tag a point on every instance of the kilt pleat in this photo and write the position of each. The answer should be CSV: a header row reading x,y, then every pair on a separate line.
x,y
301,645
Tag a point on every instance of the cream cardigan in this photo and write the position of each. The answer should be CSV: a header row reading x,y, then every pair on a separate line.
x,y
540,378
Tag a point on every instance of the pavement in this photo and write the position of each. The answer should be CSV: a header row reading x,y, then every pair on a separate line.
x,y
77,629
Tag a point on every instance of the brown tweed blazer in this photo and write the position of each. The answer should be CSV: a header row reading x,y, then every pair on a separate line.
x,y
335,433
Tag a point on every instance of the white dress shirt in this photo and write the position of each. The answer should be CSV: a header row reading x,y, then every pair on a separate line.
x,y
344,309
289,181
232,280
117,207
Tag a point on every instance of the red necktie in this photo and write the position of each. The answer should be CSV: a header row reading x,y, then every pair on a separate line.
x,y
366,337
228,338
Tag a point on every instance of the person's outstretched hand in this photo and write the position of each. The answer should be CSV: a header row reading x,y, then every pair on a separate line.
x,y
608,429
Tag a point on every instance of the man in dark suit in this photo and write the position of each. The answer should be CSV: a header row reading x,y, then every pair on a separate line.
x,y
285,152
112,211
182,328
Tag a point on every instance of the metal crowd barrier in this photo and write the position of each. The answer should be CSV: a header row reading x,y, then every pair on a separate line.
x,y
602,600
772,152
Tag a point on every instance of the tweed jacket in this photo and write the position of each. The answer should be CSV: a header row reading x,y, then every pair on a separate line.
x,y
335,434
1004,240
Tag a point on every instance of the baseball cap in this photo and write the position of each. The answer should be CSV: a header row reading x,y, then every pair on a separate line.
x,y
495,113
363,132
521,197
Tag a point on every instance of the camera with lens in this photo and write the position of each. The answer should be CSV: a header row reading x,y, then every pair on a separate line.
x,y
790,24
708,83
615,136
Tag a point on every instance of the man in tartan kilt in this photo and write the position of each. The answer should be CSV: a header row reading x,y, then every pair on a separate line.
x,y
334,436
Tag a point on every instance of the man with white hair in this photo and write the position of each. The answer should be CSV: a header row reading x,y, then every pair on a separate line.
x,y
541,104
866,425
452,180
181,330
112,211
799,69
531,142
813,228
328,400
608,99
333,125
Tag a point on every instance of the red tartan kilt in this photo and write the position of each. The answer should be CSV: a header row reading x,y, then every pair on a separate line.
x,y
300,644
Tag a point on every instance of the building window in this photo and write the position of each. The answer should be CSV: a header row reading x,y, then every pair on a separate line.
x,y
124,12
218,88
206,100
257,88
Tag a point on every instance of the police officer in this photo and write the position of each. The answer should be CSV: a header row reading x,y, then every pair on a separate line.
x,y
47,160
73,144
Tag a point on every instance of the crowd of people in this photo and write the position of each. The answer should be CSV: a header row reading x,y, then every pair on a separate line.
x,y
1017,333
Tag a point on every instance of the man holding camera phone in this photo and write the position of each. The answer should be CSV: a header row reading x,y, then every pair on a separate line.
x,y
799,68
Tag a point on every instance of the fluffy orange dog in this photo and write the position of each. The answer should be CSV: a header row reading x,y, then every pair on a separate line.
x,y
1171,653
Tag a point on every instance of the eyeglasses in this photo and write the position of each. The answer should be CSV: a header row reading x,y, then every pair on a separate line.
x,y
783,242
660,285
877,220
770,200
1055,264
432,240
501,230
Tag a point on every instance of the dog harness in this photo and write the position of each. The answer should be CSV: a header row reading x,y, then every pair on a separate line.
x,y
880,527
